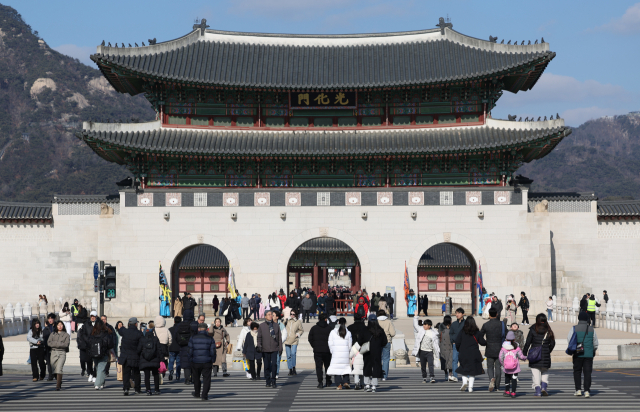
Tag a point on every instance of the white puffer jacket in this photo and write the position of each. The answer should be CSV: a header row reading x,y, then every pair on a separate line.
x,y
420,334
358,360
340,358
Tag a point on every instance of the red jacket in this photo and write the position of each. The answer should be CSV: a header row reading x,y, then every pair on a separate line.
x,y
361,302
283,298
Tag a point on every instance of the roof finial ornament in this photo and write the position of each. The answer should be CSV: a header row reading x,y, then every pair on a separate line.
x,y
129,44
527,119
529,43
557,116
123,45
116,45
542,40
152,41
202,26
538,118
545,118
493,39
109,44
102,43
512,118
509,42
502,42
520,119
536,41
442,24
522,44
143,44
136,44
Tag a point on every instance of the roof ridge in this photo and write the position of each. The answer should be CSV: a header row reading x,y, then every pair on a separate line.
x,y
7,203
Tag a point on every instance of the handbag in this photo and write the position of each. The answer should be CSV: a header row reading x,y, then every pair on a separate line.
x,y
365,347
229,349
119,372
535,354
225,312
112,356
580,346
218,344
573,343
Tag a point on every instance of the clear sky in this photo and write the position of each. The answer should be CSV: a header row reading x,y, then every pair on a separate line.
x,y
595,72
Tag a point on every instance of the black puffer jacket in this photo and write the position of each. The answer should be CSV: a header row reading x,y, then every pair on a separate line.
x,y
184,350
154,362
536,339
129,346
175,346
359,332
319,337
202,348
492,332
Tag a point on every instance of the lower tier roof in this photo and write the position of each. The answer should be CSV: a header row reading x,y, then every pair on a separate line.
x,y
153,138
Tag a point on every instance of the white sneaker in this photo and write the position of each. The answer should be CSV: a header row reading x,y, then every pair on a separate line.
x,y
464,387
470,389
586,394
578,393
96,388
550,321
453,379
90,379
93,379
277,377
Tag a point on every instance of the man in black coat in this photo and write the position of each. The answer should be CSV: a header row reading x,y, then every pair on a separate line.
x,y
174,349
202,354
129,358
186,329
390,302
497,303
188,306
524,305
293,302
319,341
494,331
114,337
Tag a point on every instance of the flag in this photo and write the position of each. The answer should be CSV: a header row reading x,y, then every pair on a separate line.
x,y
406,282
162,277
232,283
480,286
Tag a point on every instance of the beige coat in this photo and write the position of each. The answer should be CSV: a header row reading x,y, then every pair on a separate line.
x,y
177,307
294,331
220,335
163,334
388,327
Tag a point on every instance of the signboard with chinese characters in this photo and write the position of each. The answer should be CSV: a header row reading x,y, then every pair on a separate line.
x,y
323,100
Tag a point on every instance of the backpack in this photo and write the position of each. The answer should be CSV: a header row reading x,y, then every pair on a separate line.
x,y
360,311
149,350
510,360
98,346
184,334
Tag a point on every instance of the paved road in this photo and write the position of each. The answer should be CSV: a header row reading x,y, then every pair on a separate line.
x,y
617,390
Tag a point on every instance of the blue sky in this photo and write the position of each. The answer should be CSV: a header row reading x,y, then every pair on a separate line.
x,y
595,72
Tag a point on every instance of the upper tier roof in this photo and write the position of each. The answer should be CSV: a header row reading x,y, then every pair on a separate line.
x,y
10,211
287,61
151,137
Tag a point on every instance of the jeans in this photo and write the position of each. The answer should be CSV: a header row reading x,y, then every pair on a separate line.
x,y
156,379
202,370
291,351
549,314
127,371
254,312
270,366
47,361
100,365
386,355
426,358
174,357
37,359
278,361
455,361
580,366
525,316
321,359
494,370
245,313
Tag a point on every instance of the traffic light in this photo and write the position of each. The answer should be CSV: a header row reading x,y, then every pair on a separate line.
x,y
110,282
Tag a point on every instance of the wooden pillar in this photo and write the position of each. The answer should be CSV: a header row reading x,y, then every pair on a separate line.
x,y
325,280
297,280
358,285
316,285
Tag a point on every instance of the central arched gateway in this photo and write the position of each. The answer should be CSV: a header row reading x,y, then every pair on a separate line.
x,y
322,262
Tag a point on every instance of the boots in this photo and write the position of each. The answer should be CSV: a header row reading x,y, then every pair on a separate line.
x,y
294,371
59,381
170,375
538,391
544,389
178,374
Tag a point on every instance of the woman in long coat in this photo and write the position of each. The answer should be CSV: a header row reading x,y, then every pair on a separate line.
x,y
470,358
340,346
446,349
412,303
511,311
220,334
215,305
177,306
373,359
540,334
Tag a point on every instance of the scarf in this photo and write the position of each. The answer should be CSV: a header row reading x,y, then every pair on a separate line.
x,y
271,330
254,335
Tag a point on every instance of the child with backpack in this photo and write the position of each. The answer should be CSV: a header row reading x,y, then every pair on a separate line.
x,y
510,354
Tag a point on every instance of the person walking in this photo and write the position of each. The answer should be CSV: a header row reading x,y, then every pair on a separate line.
x,y
35,337
306,304
456,327
583,360
426,347
129,359
383,306
389,330
446,348
270,345
524,305
48,329
74,312
412,307
59,345
550,309
359,336
294,331
540,341
591,309
202,354
510,355
188,306
605,297
339,346
497,305
425,305
174,349
319,340
373,358
468,342
150,356
215,305
222,339
511,311
86,364
250,351
244,304
494,332
115,337
1,354
100,343
165,339
65,316
186,329
177,306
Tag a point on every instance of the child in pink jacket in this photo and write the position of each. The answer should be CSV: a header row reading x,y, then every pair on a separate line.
x,y
510,354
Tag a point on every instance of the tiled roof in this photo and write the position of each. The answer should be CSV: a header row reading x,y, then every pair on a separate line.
x,y
25,211
309,61
86,198
558,196
323,245
442,255
151,137
204,257
619,208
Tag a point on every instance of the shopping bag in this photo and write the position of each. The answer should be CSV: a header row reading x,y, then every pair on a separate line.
x,y
119,372
73,326
230,349
162,368
436,363
246,365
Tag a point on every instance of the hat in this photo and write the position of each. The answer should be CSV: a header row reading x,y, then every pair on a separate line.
x,y
373,317
511,335
93,313
133,320
584,316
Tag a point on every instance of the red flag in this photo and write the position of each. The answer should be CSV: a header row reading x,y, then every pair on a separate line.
x,y
406,282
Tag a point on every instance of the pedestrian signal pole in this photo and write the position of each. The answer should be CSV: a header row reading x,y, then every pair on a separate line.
x,y
101,283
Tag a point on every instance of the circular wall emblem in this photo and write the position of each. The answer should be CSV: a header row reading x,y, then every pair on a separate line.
x,y
502,199
262,200
230,200
353,200
145,200
384,200
473,199
415,199
293,200
173,201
